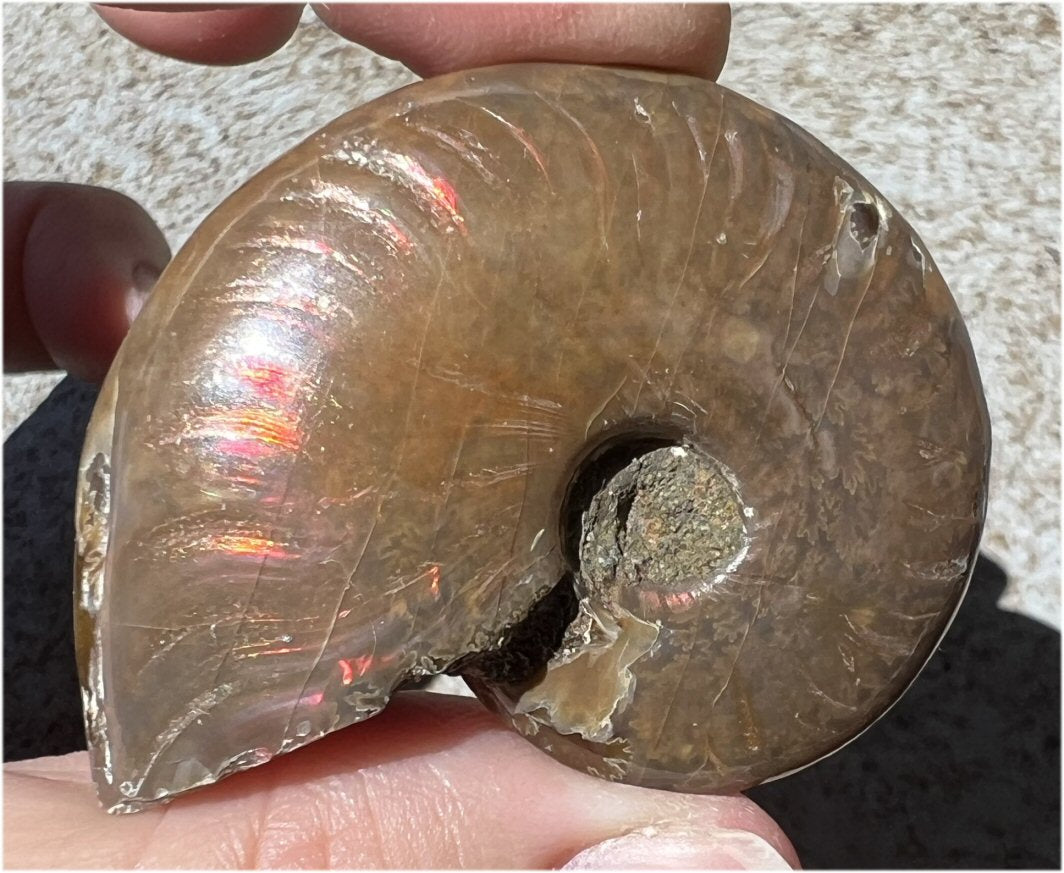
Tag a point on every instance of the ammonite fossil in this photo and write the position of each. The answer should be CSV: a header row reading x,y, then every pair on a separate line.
x,y
612,391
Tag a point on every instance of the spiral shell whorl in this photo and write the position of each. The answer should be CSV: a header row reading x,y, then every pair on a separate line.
x,y
346,424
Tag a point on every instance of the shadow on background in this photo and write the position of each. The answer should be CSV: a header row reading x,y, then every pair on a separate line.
x,y
963,772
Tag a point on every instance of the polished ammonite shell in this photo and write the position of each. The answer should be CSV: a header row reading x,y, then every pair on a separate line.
x,y
610,390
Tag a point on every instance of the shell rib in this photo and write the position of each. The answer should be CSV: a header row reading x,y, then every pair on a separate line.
x,y
337,449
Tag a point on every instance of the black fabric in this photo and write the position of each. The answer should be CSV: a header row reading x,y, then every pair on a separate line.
x,y
42,705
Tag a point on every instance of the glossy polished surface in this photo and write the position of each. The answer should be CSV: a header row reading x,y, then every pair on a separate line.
x,y
337,449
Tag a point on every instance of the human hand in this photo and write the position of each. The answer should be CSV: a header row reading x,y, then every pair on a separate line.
x,y
442,783
432,782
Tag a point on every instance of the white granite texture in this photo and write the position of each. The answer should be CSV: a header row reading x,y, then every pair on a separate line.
x,y
952,111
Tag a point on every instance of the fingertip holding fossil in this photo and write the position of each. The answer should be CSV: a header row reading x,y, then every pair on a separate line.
x,y
655,848
660,427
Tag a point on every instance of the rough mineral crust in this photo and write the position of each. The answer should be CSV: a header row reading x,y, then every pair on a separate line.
x,y
338,449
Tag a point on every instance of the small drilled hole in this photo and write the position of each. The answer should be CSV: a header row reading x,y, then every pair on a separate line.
x,y
864,223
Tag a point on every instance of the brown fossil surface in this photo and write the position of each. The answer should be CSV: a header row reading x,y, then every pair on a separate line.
x,y
610,389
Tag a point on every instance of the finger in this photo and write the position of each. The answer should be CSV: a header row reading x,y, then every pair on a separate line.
x,y
205,33
432,782
78,264
438,38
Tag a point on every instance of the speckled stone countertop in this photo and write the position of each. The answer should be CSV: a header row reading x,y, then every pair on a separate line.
x,y
952,111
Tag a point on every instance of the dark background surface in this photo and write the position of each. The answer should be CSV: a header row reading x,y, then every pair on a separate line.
x,y
963,772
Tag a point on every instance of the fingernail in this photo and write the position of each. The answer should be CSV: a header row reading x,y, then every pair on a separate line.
x,y
659,848
144,278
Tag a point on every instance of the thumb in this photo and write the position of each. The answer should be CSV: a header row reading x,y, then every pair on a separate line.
x,y
432,782
78,263
682,848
